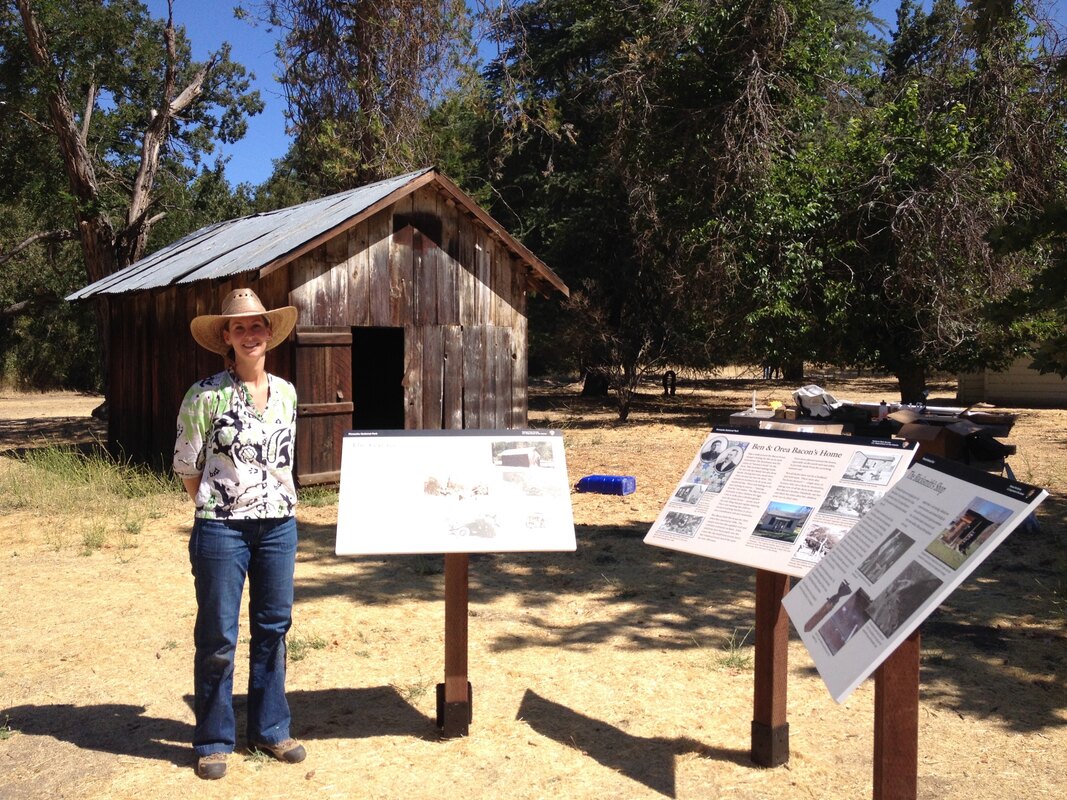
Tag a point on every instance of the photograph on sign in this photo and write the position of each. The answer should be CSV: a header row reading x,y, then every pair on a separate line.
x,y
773,499
899,563
453,492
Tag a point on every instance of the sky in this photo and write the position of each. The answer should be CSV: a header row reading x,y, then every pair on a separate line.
x,y
209,23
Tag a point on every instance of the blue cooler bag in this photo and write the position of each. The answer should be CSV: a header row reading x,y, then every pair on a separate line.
x,y
607,484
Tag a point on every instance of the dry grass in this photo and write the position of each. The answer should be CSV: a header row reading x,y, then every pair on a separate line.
x,y
617,671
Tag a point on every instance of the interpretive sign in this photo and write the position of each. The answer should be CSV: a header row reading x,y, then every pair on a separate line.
x,y
909,552
776,500
453,491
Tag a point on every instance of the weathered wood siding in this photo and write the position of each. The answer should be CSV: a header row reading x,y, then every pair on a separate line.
x,y
1016,386
423,264
455,290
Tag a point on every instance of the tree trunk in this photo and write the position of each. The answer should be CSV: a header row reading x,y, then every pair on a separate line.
x,y
596,383
911,378
794,371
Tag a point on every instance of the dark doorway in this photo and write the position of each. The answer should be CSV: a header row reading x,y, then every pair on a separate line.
x,y
378,378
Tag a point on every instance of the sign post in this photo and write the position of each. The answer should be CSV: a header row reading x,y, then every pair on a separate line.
x,y
778,501
770,730
454,710
454,492
896,723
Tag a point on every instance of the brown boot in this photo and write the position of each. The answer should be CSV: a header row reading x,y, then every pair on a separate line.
x,y
288,750
211,767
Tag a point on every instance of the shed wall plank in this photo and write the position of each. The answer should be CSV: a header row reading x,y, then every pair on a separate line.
x,y
360,276
401,275
380,231
520,375
474,388
433,377
466,275
446,289
452,391
413,376
424,269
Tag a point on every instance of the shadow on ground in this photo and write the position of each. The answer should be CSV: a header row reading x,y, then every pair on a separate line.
x,y
647,761
1004,627
17,436
634,592
126,730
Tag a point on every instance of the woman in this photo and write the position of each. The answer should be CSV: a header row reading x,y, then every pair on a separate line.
x,y
234,452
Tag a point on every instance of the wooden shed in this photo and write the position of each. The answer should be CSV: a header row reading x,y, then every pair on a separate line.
x,y
412,314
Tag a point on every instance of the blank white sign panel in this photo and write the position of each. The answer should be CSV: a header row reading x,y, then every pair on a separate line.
x,y
465,491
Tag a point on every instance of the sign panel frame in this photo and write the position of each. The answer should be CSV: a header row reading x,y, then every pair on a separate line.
x,y
899,563
776,500
406,492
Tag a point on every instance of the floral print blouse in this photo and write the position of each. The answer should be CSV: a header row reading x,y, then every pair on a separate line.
x,y
244,457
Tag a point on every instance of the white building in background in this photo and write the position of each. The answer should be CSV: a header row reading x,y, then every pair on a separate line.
x,y
1016,386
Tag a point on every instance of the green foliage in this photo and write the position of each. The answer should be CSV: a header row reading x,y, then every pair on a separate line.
x,y
49,344
929,166
111,58
93,472
55,349
413,691
735,655
1042,304
107,64
641,158
205,199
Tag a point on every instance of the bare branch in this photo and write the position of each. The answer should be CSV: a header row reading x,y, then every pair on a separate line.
x,y
24,306
44,236
75,156
35,121
138,222
90,104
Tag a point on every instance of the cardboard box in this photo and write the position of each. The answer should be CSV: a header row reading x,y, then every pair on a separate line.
x,y
935,440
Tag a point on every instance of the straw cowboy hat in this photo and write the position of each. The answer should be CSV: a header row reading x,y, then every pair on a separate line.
x,y
207,328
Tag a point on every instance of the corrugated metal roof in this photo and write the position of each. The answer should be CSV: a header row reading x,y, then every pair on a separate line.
x,y
244,244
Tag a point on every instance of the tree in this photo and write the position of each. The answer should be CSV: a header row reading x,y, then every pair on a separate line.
x,y
777,240
135,104
105,118
1044,301
957,139
360,79
635,130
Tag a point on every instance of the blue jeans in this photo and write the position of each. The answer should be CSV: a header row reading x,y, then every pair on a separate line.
x,y
222,553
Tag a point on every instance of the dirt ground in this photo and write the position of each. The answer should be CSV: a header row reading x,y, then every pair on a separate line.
x,y
603,673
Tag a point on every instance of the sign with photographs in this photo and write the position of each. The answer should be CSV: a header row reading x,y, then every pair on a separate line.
x,y
776,500
907,554
463,491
